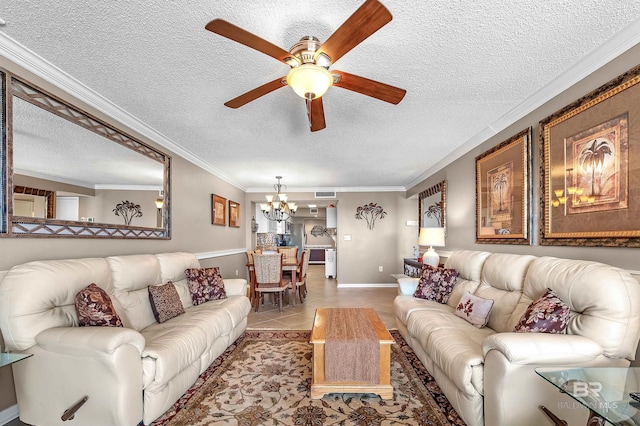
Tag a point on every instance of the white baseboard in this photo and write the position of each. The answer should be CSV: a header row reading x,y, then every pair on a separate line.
x,y
9,414
368,285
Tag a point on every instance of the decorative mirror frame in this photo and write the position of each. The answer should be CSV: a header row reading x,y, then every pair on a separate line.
x,y
441,188
22,226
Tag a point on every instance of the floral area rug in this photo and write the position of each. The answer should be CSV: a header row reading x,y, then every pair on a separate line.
x,y
264,378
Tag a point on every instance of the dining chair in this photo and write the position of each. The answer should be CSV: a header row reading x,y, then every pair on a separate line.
x,y
288,253
269,278
301,275
252,275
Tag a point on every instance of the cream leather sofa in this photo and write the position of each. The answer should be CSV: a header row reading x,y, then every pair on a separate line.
x,y
488,373
129,374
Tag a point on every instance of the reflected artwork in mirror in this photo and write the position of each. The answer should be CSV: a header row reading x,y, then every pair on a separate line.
x,y
67,171
432,206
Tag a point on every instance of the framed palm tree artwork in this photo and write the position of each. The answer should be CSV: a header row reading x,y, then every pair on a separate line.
x,y
503,192
590,155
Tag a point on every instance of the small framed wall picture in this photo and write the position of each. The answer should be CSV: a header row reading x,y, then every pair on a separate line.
x,y
218,210
234,214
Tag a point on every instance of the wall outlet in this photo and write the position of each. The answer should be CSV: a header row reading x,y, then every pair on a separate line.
x,y
380,269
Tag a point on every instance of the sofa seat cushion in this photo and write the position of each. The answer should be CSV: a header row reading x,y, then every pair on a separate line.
x,y
236,307
405,305
181,341
173,345
454,345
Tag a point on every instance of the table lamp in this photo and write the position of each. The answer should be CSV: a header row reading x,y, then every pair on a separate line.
x,y
431,237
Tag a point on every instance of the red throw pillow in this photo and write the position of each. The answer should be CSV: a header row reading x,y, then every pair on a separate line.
x,y
547,314
94,308
436,284
205,284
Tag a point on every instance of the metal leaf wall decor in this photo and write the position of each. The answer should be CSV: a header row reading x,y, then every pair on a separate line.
x,y
128,211
370,212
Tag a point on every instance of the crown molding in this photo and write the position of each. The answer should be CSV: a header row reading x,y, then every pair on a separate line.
x,y
605,53
37,65
331,189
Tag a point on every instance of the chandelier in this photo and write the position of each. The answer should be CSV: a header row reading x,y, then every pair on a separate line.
x,y
277,209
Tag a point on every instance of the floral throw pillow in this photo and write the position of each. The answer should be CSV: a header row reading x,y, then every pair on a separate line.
x,y
205,284
94,308
474,309
436,284
165,301
547,314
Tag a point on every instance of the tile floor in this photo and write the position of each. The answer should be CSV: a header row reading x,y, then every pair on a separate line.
x,y
323,293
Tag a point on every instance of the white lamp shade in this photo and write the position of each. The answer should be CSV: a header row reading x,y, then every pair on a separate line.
x,y
431,237
309,81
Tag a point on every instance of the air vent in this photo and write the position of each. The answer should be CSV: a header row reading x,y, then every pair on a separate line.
x,y
313,210
325,194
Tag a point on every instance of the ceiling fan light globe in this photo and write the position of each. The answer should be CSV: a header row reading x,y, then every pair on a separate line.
x,y
309,81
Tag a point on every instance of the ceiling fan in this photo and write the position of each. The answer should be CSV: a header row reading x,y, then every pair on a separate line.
x,y
310,60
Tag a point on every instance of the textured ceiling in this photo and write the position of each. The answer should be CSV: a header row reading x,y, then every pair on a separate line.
x,y
465,66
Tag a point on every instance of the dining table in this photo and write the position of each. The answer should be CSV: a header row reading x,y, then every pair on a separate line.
x,y
288,264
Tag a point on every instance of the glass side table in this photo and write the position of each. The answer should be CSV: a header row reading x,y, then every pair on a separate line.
x,y
604,391
8,358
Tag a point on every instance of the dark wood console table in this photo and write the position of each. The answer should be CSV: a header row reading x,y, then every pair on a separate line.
x,y
412,268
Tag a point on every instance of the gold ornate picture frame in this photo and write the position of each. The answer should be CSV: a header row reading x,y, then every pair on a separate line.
x,y
503,192
590,168
218,210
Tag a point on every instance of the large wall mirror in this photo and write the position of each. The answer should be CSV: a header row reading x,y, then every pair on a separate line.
x,y
432,204
69,174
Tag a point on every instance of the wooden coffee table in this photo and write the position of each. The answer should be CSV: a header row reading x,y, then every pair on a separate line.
x,y
319,386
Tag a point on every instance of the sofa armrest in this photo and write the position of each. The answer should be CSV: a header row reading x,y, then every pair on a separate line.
x,y
235,286
88,341
408,285
543,348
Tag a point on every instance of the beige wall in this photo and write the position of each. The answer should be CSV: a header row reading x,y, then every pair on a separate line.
x,y
460,177
360,257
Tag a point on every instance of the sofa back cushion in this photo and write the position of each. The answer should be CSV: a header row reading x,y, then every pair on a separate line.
x,y
172,267
604,301
131,276
502,281
39,295
469,264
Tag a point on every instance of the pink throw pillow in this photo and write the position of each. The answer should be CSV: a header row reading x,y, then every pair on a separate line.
x,y
474,309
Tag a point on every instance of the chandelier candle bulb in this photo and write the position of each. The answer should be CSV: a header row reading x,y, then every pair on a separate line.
x,y
277,209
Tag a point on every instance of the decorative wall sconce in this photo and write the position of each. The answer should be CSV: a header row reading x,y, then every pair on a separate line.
x,y
370,212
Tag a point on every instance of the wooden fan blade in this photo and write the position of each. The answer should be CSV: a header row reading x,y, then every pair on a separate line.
x,y
254,94
230,31
372,88
315,112
368,19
